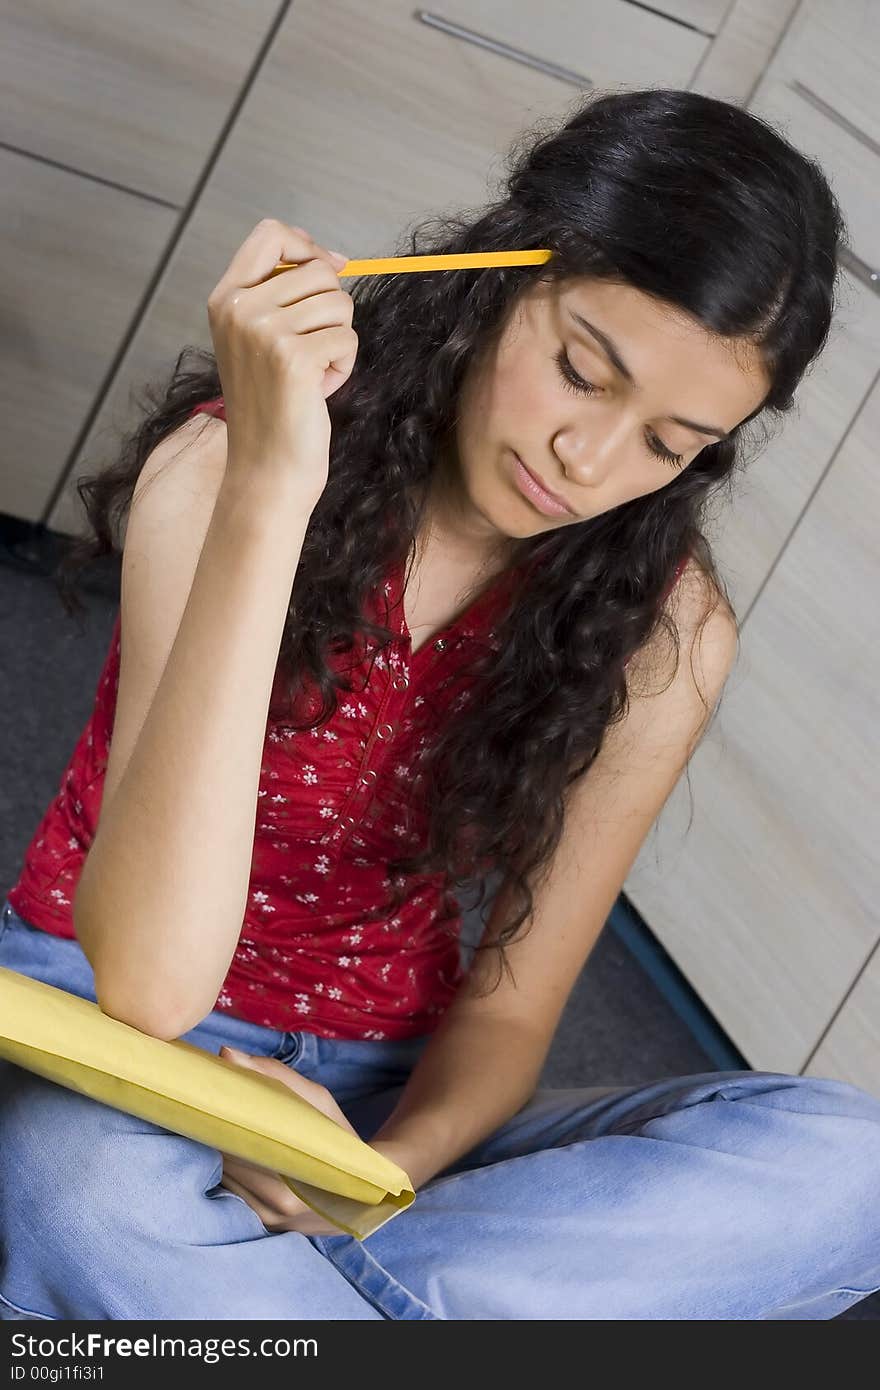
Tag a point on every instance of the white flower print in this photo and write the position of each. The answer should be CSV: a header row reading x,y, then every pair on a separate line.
x,y
326,812
373,1033
309,775
306,897
348,710
302,1003
334,992
322,864
59,897
329,735
223,1001
344,961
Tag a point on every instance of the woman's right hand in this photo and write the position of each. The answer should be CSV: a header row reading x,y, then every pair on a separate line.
x,y
283,344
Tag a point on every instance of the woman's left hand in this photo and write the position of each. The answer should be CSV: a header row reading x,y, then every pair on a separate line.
x,y
276,1205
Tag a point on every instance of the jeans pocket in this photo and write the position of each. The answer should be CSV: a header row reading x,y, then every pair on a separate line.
x,y
217,1194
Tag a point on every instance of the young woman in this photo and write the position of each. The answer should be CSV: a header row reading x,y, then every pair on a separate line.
x,y
473,627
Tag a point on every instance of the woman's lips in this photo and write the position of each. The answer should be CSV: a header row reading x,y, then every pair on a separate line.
x,y
537,494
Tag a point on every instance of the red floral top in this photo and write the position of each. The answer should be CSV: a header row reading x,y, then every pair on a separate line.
x,y
319,949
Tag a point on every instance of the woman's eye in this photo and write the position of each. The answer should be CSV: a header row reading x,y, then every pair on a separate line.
x,y
571,377
573,382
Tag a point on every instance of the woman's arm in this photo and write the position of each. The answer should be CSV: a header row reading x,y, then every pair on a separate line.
x,y
484,1061
474,1073
159,903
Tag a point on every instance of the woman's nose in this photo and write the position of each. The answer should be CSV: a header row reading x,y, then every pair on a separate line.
x,y
587,459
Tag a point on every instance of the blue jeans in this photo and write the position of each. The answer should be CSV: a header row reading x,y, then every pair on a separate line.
x,y
729,1195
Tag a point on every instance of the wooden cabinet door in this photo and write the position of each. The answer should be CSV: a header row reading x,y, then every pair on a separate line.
x,y
768,901
850,1049
111,114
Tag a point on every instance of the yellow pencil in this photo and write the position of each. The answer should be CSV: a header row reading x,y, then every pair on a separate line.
x,y
407,265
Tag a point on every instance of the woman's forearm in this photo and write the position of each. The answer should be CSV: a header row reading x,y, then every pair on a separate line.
x,y
159,904
473,1074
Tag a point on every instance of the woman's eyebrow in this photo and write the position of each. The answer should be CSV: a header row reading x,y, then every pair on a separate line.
x,y
613,354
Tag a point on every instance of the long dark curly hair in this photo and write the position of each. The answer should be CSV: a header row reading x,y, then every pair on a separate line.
x,y
689,199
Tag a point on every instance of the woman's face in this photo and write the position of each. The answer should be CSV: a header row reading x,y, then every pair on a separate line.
x,y
596,450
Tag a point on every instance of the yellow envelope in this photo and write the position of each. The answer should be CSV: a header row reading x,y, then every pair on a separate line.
x,y
205,1097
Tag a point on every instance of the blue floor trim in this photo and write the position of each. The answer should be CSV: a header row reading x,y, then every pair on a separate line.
x,y
640,941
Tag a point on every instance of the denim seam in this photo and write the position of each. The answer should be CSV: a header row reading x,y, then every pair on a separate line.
x,y
373,1281
27,1312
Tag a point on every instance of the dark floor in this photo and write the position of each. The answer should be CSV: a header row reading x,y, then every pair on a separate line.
x,y
618,1026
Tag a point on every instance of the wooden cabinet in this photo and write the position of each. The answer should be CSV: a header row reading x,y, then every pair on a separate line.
x,y
821,88
112,114
850,1049
767,900
78,256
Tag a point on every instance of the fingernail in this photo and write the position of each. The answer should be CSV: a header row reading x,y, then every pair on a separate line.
x,y
235,1054
338,256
